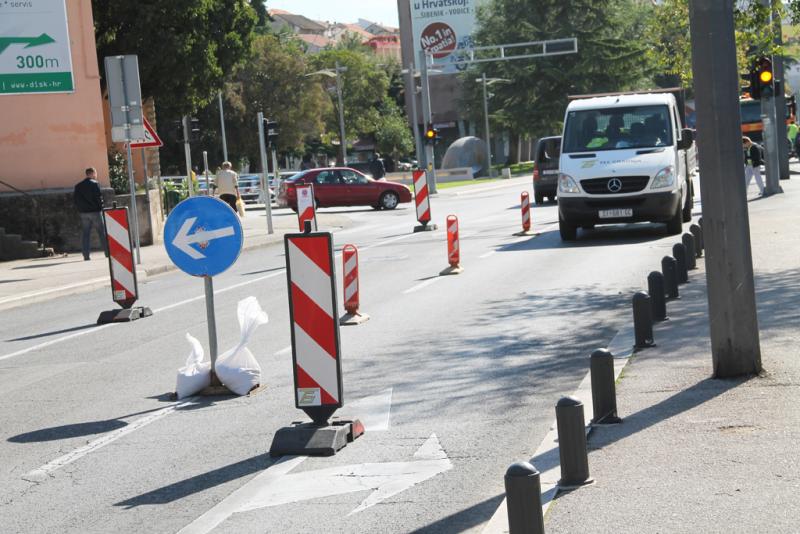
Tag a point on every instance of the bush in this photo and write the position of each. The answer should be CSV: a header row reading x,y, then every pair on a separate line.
x,y
118,173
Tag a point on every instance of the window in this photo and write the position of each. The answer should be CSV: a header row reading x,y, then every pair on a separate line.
x,y
327,178
615,128
353,178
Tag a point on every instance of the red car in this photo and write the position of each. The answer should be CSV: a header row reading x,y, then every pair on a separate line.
x,y
341,186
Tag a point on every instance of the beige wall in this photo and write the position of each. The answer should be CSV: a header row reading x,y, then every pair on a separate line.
x,y
47,140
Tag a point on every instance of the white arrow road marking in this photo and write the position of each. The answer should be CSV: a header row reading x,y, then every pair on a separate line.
x,y
183,240
276,486
373,411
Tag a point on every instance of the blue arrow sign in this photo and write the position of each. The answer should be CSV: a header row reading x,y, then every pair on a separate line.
x,y
203,236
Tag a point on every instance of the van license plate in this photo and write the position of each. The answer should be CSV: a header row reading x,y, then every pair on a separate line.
x,y
616,214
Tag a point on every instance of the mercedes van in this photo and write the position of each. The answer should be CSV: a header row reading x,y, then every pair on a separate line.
x,y
625,158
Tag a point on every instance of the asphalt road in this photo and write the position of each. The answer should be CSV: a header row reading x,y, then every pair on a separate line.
x,y
473,364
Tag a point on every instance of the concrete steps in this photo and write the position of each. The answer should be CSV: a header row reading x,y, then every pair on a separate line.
x,y
13,247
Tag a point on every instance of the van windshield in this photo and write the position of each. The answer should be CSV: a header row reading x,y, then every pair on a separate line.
x,y
593,130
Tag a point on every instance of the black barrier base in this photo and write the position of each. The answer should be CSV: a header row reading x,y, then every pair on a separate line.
x,y
425,228
124,315
353,319
308,439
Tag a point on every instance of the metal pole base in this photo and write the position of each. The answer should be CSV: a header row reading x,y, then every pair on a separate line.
x,y
125,315
353,319
425,228
216,388
527,233
453,269
308,439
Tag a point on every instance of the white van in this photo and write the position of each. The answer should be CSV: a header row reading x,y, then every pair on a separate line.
x,y
625,158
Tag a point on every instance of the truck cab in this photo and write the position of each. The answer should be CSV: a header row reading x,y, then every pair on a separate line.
x,y
625,158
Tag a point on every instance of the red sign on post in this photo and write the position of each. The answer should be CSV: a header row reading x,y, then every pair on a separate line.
x,y
305,207
151,138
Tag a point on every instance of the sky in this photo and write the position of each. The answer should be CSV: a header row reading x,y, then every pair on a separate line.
x,y
383,11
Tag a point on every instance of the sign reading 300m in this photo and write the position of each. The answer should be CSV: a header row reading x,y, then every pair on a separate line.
x,y
34,47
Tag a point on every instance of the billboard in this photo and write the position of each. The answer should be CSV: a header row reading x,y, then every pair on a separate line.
x,y
443,27
34,47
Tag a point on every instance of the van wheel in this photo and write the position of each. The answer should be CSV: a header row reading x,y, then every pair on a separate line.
x,y
539,198
675,224
687,208
569,232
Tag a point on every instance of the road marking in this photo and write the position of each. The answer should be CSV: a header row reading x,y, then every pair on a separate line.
x,y
490,253
40,475
275,487
547,453
424,283
373,411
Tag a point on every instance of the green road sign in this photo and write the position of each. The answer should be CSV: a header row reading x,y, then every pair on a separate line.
x,y
34,48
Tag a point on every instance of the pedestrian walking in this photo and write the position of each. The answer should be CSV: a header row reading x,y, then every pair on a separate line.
x,y
228,184
376,167
89,201
752,164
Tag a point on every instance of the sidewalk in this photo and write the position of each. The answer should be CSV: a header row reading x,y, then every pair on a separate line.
x,y
39,279
695,454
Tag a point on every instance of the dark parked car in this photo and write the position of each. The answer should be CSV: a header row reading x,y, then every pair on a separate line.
x,y
545,168
342,186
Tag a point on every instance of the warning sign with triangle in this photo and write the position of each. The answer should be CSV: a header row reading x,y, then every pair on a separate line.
x,y
151,138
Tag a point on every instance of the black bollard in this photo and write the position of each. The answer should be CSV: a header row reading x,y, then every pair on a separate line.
x,y
688,243
572,450
669,267
642,320
655,287
697,233
604,392
524,499
679,253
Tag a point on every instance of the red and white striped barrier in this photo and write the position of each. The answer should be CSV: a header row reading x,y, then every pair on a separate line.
x,y
121,266
422,201
350,287
525,202
305,206
453,247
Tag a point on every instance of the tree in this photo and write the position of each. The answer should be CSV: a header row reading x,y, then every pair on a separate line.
x,y
393,135
186,48
610,58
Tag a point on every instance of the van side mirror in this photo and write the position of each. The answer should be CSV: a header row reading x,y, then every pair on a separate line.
x,y
687,139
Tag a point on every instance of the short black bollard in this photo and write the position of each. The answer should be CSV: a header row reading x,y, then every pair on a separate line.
x,y
604,392
655,287
679,253
572,450
688,243
697,233
669,267
642,320
524,499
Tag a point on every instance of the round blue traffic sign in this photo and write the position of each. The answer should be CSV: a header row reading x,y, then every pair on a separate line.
x,y
203,236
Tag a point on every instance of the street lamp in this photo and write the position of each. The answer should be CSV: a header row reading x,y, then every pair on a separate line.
x,y
486,81
335,74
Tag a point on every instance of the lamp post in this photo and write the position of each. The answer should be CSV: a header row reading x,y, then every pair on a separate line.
x,y
486,81
336,74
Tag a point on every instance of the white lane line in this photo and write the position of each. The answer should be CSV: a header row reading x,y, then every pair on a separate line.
x,y
41,474
547,453
424,283
490,253
284,350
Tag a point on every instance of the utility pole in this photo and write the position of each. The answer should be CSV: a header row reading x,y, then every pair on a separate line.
x,y
342,138
411,88
732,315
780,96
486,126
187,150
264,172
427,118
222,128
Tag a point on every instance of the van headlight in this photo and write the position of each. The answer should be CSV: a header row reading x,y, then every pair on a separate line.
x,y
664,178
566,184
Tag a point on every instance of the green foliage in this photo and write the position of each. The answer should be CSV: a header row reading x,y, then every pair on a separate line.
x,y
393,136
118,173
186,48
610,58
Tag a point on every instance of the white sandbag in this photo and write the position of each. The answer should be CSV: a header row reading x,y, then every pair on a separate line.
x,y
238,368
196,375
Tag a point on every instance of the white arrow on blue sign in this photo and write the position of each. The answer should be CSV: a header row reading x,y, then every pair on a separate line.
x,y
203,236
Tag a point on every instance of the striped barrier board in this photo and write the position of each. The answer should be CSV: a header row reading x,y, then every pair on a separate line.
x,y
314,326
121,266
421,197
305,207
525,202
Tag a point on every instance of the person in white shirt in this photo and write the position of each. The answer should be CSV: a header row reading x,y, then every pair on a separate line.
x,y
228,184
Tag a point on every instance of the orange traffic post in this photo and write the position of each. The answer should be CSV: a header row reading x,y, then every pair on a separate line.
x,y
453,247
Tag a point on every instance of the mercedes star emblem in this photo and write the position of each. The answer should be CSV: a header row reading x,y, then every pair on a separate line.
x,y
615,185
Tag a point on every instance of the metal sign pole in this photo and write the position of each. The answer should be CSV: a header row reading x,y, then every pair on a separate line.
x,y
341,113
486,127
187,151
205,166
412,89
222,128
427,118
276,181
208,283
264,178
132,185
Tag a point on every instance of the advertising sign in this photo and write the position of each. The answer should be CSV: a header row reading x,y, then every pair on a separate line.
x,y
443,27
34,47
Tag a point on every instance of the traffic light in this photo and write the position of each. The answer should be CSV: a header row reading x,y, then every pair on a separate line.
x,y
762,81
194,129
272,129
432,135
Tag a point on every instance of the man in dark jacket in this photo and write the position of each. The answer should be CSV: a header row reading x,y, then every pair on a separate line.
x,y
89,201
376,167
752,164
